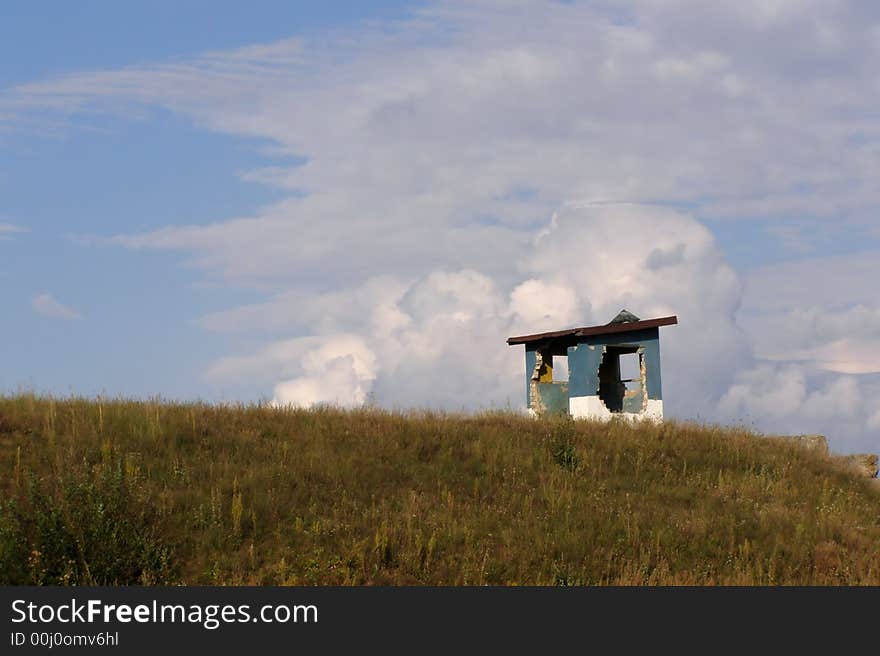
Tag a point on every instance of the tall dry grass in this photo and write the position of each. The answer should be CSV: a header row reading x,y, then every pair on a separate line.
x,y
100,491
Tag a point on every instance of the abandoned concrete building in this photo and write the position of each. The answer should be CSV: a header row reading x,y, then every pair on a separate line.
x,y
596,372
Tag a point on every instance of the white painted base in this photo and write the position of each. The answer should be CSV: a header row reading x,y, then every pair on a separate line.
x,y
591,407
654,410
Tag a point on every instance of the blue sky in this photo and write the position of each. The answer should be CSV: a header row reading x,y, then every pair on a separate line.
x,y
43,38
111,175
354,201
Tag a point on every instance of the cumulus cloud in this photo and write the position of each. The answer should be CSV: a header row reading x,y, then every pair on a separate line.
x,y
779,392
790,398
338,370
439,339
46,305
539,304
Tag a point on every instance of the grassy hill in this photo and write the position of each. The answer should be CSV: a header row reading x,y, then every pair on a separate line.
x,y
124,492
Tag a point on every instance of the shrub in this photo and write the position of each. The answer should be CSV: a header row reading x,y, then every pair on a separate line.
x,y
88,528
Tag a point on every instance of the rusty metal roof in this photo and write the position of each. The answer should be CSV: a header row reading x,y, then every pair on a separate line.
x,y
607,329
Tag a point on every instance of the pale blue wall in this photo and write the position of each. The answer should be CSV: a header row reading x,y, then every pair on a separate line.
x,y
583,362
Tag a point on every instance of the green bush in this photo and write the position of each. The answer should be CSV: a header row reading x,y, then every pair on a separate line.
x,y
92,527
562,436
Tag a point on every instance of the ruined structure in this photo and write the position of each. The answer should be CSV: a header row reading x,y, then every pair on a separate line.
x,y
613,370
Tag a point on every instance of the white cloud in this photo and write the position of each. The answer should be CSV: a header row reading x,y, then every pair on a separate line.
x,y
415,133
335,369
430,154
846,356
821,281
781,392
7,229
788,398
339,370
439,339
539,305
821,311
47,306
766,391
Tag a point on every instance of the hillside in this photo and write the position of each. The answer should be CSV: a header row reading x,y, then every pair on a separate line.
x,y
122,492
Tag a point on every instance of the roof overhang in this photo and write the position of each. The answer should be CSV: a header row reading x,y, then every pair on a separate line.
x,y
607,329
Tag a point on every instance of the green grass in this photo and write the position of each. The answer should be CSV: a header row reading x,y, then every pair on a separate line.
x,y
123,492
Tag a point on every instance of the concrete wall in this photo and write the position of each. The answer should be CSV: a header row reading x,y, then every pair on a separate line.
x,y
585,360
585,389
